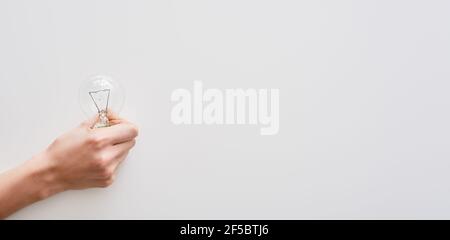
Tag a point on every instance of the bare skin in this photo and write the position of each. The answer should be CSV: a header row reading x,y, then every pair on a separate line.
x,y
79,159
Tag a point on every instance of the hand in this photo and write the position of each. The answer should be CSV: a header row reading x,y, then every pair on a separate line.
x,y
86,157
81,158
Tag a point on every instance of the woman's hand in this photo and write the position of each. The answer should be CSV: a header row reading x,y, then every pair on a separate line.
x,y
81,158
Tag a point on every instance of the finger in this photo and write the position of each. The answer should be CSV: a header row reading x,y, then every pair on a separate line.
x,y
103,183
117,121
112,115
90,122
119,152
114,118
119,149
118,133
119,159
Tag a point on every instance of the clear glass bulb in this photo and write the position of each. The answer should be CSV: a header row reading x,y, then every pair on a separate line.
x,y
101,94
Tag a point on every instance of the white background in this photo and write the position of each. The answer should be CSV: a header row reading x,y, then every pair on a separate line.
x,y
364,104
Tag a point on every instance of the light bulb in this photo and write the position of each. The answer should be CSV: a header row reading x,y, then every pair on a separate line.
x,y
101,94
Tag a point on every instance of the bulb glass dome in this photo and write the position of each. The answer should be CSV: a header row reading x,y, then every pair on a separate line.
x,y
99,95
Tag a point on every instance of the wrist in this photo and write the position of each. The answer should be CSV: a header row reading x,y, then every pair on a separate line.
x,y
33,181
40,177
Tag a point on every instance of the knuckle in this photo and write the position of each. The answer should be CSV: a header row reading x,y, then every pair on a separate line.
x,y
106,174
96,140
107,182
100,162
92,140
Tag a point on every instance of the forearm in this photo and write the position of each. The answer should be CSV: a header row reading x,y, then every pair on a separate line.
x,y
31,182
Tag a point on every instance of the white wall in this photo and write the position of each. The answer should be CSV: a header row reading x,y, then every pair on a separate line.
x,y
364,87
